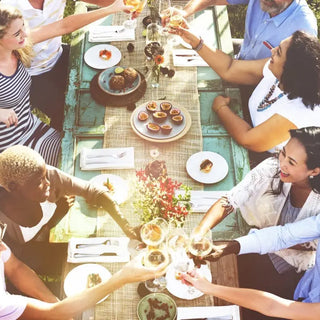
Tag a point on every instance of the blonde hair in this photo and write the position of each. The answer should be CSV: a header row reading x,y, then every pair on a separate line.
x,y
7,15
18,164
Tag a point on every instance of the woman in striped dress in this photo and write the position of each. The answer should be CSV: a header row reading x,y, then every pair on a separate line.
x,y
17,124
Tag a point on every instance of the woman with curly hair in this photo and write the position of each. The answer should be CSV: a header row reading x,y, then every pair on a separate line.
x,y
17,124
287,95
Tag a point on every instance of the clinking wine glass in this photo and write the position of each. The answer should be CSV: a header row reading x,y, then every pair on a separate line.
x,y
138,6
175,20
164,10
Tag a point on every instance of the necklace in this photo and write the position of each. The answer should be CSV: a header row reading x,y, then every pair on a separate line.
x,y
266,103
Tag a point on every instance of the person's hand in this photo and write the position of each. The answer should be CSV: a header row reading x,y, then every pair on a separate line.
x,y
134,271
220,101
197,281
217,252
119,5
167,13
184,32
8,117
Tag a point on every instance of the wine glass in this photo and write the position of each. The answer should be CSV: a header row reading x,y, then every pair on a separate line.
x,y
138,6
164,10
175,20
154,232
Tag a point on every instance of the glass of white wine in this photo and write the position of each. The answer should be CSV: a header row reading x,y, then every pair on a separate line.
x,y
154,232
138,6
175,20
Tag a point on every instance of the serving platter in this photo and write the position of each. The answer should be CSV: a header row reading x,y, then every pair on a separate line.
x,y
178,130
104,78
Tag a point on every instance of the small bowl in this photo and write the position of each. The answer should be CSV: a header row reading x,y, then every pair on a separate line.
x,y
163,302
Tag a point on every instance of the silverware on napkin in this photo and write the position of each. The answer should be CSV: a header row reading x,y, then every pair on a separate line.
x,y
108,242
88,255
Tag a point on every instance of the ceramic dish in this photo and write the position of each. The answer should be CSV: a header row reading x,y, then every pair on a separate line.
x,y
104,78
120,186
76,280
164,307
178,130
218,172
93,59
181,290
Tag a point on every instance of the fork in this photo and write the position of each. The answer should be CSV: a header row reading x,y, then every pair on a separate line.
x,y
113,155
104,243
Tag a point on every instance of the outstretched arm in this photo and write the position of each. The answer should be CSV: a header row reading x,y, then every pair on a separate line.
x,y
194,6
263,302
74,22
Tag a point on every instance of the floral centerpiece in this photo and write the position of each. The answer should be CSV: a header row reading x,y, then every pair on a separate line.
x,y
156,195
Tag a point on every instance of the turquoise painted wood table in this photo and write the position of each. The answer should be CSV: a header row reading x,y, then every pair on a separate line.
x,y
84,127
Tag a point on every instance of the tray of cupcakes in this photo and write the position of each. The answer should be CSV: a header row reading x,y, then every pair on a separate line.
x,y
160,121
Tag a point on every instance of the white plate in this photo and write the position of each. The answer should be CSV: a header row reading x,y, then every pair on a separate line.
x,y
91,57
218,172
181,290
76,280
121,187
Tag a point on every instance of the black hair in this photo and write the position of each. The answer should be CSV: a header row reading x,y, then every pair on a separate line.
x,y
301,71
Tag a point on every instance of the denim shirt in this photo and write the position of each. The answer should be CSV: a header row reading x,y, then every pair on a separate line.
x,y
278,237
261,27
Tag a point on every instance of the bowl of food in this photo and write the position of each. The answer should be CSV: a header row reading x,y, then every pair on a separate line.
x,y
119,81
157,306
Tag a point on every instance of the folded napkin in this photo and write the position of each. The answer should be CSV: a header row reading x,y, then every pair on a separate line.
x,y
201,201
110,33
107,158
100,249
187,58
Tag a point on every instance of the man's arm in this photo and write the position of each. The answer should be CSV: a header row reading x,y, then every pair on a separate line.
x,y
27,281
74,22
194,6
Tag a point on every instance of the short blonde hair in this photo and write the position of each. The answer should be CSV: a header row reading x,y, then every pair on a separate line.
x,y
18,164
7,15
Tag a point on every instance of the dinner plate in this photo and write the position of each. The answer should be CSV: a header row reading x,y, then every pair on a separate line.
x,y
103,82
121,186
76,280
181,290
178,130
164,307
92,58
218,172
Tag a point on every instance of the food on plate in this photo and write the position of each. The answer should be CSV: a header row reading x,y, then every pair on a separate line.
x,y
165,106
166,128
153,127
159,116
163,307
151,106
130,75
117,82
143,116
206,166
174,112
109,185
93,279
177,119
118,70
105,54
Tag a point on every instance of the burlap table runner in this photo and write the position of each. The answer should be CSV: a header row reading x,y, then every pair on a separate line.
x,y
182,91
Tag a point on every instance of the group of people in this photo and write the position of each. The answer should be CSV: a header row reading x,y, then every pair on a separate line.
x,y
280,196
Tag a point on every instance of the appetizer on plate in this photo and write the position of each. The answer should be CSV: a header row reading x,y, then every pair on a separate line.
x,y
93,279
206,166
105,54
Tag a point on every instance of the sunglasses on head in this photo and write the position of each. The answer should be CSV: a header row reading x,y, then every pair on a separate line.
x,y
3,227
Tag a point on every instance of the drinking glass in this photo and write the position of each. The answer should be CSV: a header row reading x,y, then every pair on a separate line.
x,y
175,20
154,232
138,6
200,244
164,7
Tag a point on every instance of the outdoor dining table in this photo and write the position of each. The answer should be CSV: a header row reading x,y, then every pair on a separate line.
x,y
92,124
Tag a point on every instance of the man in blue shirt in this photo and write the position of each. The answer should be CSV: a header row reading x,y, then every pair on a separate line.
x,y
266,20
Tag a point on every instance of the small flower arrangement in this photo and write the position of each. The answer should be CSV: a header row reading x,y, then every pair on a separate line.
x,y
156,195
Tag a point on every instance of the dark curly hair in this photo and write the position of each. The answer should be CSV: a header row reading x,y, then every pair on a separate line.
x,y
309,137
301,71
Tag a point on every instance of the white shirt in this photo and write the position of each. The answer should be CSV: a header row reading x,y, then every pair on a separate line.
x,y
11,306
293,110
49,51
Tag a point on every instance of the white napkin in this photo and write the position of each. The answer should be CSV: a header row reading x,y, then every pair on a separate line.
x,y
117,247
99,159
110,33
187,58
201,201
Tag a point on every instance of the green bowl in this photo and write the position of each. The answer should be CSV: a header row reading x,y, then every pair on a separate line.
x,y
156,305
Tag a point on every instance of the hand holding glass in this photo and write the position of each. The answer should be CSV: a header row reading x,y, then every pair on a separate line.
x,y
138,6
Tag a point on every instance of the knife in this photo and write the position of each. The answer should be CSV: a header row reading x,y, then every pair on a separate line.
x,y
86,255
186,55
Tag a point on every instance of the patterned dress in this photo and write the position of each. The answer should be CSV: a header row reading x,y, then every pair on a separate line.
x,y
30,131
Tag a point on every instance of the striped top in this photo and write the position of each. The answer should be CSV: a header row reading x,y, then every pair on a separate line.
x,y
49,51
14,94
